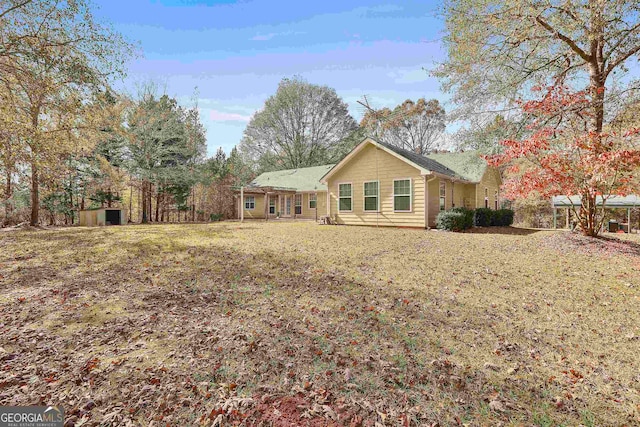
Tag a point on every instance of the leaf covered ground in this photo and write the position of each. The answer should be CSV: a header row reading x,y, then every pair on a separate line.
x,y
299,324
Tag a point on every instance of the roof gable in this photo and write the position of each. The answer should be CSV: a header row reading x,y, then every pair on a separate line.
x,y
301,179
422,161
424,164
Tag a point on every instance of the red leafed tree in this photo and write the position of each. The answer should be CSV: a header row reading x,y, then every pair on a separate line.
x,y
561,156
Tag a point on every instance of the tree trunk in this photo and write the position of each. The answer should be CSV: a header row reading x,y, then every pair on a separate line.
x,y
158,197
596,89
130,202
150,202
588,216
144,203
193,204
8,206
70,206
35,199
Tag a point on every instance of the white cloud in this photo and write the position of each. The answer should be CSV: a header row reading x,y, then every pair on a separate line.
x,y
269,36
221,116
263,37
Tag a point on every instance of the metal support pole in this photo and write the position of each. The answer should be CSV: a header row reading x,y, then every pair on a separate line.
x,y
241,204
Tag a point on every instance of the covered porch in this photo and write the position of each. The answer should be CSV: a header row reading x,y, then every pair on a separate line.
x,y
266,202
610,202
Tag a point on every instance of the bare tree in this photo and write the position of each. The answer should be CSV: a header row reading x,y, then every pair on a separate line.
x,y
299,126
416,126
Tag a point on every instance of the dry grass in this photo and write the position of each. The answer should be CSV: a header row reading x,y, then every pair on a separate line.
x,y
187,324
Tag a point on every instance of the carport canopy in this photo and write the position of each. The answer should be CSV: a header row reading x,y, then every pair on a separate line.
x,y
610,202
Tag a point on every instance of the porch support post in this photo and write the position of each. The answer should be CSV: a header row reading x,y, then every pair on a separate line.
x,y
568,218
242,204
266,206
555,218
279,205
328,202
629,220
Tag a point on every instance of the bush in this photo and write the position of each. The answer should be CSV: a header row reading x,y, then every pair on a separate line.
x,y
215,217
483,217
502,217
456,219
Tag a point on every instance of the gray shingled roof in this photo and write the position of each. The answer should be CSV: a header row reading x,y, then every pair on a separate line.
x,y
425,162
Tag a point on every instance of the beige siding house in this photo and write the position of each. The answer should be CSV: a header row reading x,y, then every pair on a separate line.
x,y
291,193
376,184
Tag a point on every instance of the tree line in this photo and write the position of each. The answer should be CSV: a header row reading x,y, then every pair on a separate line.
x,y
69,141
304,125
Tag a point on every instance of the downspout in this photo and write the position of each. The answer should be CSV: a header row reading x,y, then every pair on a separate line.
x,y
426,203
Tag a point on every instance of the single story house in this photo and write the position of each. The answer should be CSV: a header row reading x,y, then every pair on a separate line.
x,y
291,193
376,184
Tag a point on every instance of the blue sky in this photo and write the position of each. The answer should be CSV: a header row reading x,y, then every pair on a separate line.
x,y
236,52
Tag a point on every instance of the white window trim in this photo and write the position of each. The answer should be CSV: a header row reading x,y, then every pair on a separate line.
x,y
316,200
444,208
342,183
246,200
364,197
410,194
295,205
275,205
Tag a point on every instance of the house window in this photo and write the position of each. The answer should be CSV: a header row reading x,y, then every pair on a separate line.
x,y
344,197
486,198
402,195
298,204
272,205
371,196
443,195
249,203
495,196
312,200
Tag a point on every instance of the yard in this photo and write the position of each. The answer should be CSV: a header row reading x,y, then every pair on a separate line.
x,y
296,324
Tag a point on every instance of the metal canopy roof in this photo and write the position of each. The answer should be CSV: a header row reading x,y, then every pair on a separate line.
x,y
611,201
301,179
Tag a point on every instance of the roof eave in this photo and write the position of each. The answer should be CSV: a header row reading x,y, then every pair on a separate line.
x,y
359,147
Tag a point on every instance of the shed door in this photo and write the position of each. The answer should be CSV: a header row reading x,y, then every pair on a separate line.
x,y
112,217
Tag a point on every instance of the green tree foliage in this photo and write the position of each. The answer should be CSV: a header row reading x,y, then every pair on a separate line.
x,y
301,125
166,143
